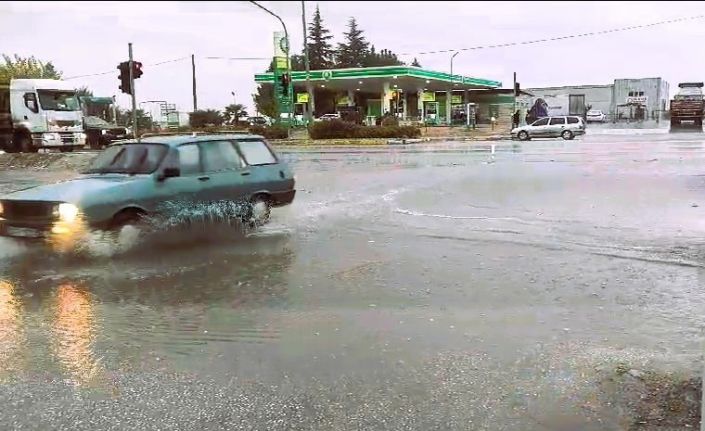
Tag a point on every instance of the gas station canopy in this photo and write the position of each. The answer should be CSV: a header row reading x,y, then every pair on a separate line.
x,y
372,79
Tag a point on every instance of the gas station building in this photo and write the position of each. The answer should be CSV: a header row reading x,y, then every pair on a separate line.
x,y
413,94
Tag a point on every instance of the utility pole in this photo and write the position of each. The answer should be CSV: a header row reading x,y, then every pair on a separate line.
x,y
193,70
134,98
309,90
514,107
450,92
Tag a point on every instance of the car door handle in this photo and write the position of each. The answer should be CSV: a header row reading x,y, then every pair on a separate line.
x,y
245,173
205,178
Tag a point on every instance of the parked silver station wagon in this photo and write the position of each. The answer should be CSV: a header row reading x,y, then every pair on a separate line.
x,y
130,179
566,127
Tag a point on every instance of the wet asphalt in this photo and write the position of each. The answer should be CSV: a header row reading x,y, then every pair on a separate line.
x,y
445,286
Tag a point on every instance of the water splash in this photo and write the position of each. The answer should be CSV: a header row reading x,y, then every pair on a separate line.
x,y
176,223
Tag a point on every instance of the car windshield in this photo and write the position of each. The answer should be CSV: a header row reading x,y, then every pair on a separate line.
x,y
54,100
129,159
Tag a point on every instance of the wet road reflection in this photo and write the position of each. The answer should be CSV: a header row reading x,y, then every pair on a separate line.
x,y
421,288
74,332
12,337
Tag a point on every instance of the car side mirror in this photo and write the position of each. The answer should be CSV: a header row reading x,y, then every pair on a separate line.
x,y
169,173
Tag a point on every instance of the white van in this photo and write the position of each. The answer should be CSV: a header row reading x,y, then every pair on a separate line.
x,y
40,113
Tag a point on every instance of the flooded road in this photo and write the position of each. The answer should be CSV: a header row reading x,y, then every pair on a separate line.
x,y
450,286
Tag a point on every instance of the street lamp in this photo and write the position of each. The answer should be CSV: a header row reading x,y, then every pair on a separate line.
x,y
450,91
286,52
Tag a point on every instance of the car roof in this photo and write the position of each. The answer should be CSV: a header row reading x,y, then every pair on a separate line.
x,y
176,140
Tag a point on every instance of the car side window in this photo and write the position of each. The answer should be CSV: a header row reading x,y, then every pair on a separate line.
x,y
189,159
256,153
557,121
541,122
573,120
220,156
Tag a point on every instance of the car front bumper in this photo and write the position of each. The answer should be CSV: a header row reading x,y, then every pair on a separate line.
x,y
25,229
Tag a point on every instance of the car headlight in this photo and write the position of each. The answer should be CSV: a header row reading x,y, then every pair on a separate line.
x,y
103,132
67,212
1,210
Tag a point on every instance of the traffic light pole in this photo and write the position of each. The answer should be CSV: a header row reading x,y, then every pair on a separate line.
x,y
134,99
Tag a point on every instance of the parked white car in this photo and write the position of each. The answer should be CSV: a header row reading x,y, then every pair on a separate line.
x,y
328,117
566,127
595,116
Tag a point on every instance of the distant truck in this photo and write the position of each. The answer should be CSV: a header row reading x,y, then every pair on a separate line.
x,y
688,106
100,123
39,113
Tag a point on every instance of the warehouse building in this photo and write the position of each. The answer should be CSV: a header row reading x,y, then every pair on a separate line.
x,y
623,100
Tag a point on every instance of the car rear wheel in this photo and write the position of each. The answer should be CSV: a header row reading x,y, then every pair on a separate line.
x,y
260,210
128,217
523,135
567,135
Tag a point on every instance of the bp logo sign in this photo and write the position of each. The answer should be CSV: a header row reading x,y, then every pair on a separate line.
x,y
327,75
284,44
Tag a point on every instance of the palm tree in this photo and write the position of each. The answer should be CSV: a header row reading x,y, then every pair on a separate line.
x,y
233,112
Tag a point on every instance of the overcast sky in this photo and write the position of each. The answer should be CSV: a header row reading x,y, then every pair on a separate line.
x,y
91,37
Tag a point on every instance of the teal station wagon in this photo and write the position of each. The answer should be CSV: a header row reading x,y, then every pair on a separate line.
x,y
130,179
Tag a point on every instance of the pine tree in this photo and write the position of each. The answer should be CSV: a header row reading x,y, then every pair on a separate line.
x,y
320,51
416,63
384,58
354,51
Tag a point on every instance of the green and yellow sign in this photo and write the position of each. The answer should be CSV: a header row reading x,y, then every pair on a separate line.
x,y
428,96
301,97
456,100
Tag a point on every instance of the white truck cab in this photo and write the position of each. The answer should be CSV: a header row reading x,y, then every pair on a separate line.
x,y
40,113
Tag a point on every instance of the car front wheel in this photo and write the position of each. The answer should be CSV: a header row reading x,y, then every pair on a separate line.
x,y
523,135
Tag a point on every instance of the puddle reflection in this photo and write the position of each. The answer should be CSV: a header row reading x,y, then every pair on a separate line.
x,y
12,337
73,329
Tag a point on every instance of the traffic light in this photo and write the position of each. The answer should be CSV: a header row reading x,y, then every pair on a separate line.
x,y
124,77
516,89
285,80
136,69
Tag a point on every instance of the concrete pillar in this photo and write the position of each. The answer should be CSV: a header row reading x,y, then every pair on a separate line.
x,y
351,98
419,103
448,95
406,103
386,97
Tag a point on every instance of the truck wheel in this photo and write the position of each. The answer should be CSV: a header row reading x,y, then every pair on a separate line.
x,y
24,144
66,149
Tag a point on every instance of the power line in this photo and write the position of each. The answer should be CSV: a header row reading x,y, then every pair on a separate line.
x,y
168,61
551,39
237,58
112,71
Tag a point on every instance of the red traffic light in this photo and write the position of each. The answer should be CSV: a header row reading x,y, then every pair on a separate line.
x,y
136,69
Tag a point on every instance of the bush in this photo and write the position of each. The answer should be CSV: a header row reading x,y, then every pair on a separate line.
x,y
336,129
390,121
209,117
274,131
